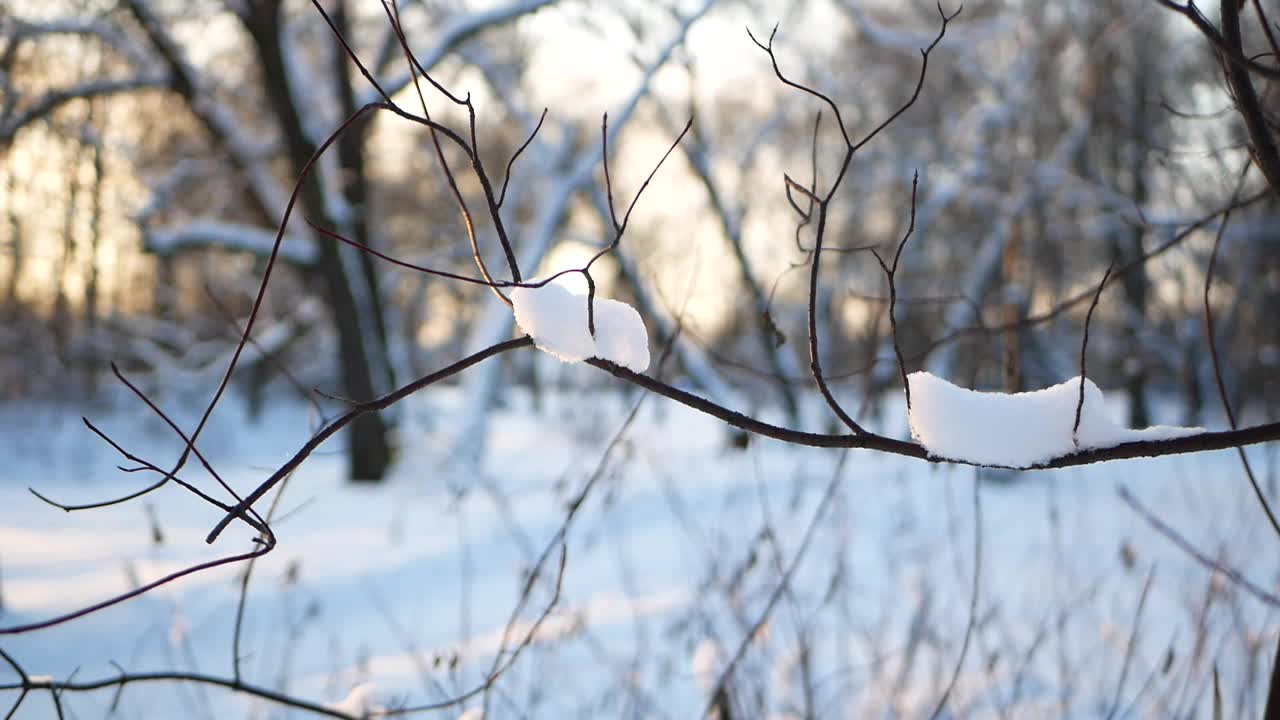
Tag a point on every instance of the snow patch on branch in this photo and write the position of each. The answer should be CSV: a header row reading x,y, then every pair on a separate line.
x,y
230,236
358,702
1016,430
557,320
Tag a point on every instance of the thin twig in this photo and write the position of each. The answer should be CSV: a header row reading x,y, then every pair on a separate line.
x,y
618,227
1084,356
477,163
1131,645
1236,58
1211,337
22,675
891,272
346,418
783,587
137,591
815,362
243,601
1185,545
973,598
506,176
468,223
263,693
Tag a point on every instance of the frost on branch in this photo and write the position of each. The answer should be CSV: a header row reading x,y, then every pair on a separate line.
x,y
557,320
1017,430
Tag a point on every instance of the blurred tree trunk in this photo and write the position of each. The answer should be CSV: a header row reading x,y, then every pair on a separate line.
x,y
1014,307
15,246
164,290
1120,159
761,325
1129,246
368,441
62,330
90,341
354,184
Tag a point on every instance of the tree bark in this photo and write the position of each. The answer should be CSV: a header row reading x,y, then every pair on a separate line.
x,y
1130,245
62,321
354,182
369,449
15,247
90,357
1262,144
761,323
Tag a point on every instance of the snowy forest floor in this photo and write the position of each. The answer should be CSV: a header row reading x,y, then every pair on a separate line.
x,y
408,585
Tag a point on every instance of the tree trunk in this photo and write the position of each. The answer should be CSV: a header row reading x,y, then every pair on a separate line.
x,y
354,183
90,356
62,330
1135,281
369,450
15,247
762,325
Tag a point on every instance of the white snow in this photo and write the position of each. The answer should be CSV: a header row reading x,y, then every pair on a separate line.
x,y
557,320
358,702
1016,430
705,663
647,583
205,233
179,629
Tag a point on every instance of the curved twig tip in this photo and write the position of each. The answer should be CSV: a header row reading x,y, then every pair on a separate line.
x,y
58,505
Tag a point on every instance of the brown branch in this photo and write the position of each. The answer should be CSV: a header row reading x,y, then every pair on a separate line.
x,y
199,678
815,358
784,586
142,465
1221,384
22,675
1206,28
355,411
619,227
822,203
891,272
1132,643
1200,442
477,163
1023,323
468,222
262,549
1185,545
1084,355
266,280
559,539
1265,22
1264,150
869,441
506,176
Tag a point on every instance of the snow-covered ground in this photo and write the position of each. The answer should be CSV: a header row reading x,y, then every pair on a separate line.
x,y
400,592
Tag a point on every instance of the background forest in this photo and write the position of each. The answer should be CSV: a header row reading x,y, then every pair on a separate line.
x,y
148,151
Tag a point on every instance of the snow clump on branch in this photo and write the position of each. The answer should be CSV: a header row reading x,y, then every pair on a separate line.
x,y
1018,430
557,320
359,702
